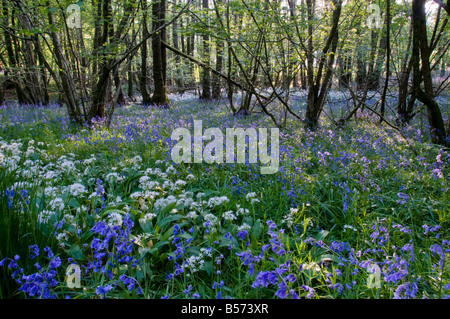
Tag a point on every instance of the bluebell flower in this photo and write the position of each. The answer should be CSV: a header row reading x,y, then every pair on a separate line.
x,y
217,285
241,234
281,292
293,294
55,263
291,278
103,290
339,288
34,251
398,291
271,224
9,195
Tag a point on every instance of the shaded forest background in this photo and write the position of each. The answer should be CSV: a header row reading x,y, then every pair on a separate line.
x,y
93,56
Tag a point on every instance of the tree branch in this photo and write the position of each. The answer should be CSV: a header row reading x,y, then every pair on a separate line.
x,y
444,6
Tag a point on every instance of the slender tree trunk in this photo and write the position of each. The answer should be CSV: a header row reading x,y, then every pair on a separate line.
x,y
182,37
206,74
443,68
159,97
97,36
230,90
404,112
388,59
116,77
14,75
219,65
190,49
146,98
130,92
345,73
361,72
2,91
117,81
216,82
176,44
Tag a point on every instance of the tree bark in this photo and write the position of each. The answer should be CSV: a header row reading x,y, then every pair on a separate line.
x,y
159,97
388,59
319,84
205,74
421,53
216,82
405,109
13,73
146,98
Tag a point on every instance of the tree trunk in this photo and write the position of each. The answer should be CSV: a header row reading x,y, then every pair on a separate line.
x,y
206,74
2,91
99,93
345,72
159,97
97,35
13,74
66,78
176,44
319,84
405,108
443,68
388,59
361,72
130,92
216,89
146,99
421,53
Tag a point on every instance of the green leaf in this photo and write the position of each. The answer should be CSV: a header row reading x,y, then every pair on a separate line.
x,y
147,226
72,229
157,246
166,220
73,203
167,209
322,235
257,229
143,251
208,267
75,252
113,210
